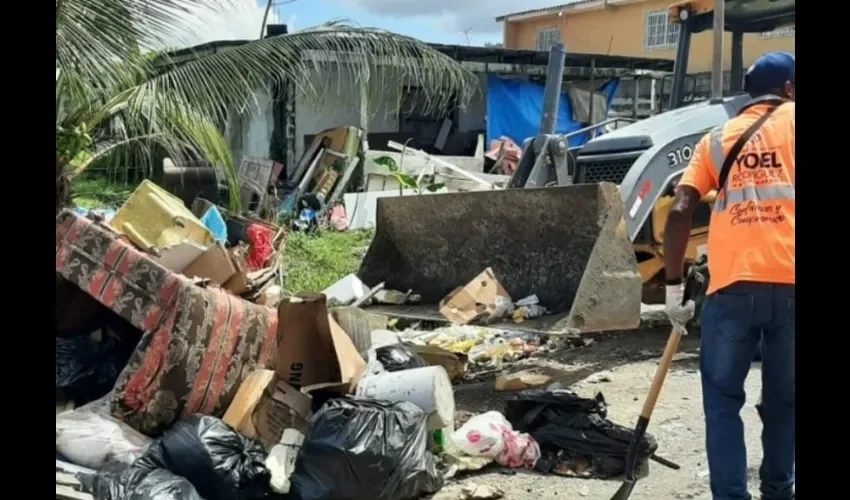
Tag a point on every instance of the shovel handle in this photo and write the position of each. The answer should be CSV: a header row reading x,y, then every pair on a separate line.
x,y
666,358
661,372
646,412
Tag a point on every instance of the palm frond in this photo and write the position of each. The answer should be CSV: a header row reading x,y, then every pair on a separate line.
x,y
135,125
227,80
93,35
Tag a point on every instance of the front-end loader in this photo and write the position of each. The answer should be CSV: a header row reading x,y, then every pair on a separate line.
x,y
580,228
646,159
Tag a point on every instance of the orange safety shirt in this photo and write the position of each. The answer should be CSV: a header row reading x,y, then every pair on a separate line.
x,y
751,233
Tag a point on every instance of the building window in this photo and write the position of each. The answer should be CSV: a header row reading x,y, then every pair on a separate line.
x,y
787,31
547,37
659,32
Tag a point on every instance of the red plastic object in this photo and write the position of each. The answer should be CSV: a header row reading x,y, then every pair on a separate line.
x,y
261,246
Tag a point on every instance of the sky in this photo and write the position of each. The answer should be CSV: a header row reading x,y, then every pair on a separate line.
x,y
460,22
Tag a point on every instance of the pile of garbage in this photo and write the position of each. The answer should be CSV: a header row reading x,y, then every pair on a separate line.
x,y
207,243
183,374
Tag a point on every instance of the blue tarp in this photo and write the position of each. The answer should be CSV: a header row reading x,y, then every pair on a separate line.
x,y
514,109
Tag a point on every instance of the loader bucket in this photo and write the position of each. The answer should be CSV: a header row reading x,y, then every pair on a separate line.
x,y
568,245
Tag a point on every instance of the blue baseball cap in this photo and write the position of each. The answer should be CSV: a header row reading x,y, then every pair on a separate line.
x,y
769,73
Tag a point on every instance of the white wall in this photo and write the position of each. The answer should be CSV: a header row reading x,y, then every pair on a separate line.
x,y
250,133
333,102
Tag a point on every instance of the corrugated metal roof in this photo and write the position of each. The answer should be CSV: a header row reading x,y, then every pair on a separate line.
x,y
568,3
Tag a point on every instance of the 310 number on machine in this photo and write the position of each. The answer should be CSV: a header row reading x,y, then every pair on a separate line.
x,y
681,155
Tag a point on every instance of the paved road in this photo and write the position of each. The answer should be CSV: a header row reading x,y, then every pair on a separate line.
x,y
630,359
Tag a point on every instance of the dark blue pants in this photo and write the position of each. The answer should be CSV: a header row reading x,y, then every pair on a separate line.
x,y
732,322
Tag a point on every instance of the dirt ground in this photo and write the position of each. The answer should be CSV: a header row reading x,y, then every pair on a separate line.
x,y
630,360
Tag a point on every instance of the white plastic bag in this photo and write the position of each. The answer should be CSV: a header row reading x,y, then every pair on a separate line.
x,y
491,435
281,460
90,437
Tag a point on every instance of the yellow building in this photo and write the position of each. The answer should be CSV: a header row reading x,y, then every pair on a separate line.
x,y
636,28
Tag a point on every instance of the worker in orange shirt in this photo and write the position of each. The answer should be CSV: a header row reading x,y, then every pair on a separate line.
x,y
750,162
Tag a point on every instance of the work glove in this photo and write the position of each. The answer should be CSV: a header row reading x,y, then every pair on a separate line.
x,y
678,313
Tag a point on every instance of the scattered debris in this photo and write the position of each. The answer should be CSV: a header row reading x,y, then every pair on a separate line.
x,y
521,381
473,491
506,154
598,377
455,364
391,297
528,308
346,290
575,436
482,299
275,395
491,435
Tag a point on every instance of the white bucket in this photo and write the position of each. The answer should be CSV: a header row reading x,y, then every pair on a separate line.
x,y
428,388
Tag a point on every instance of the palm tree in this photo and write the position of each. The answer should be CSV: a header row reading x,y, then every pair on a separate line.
x,y
116,102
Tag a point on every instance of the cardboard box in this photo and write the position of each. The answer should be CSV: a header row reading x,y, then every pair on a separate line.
x,y
313,350
239,282
214,264
482,299
265,406
180,256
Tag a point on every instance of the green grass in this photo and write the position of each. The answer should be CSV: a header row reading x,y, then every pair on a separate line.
x,y
313,262
98,192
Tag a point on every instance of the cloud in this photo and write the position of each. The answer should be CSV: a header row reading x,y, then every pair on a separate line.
x,y
452,16
239,21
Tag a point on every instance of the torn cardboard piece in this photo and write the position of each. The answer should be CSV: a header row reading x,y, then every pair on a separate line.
x,y
313,350
265,406
482,300
178,257
454,363
238,283
521,381
214,264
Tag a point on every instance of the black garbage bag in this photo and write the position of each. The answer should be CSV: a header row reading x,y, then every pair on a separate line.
x,y
574,433
139,483
219,462
397,357
86,368
361,449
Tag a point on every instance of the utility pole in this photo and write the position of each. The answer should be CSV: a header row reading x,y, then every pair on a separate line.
x,y
717,66
466,33
269,5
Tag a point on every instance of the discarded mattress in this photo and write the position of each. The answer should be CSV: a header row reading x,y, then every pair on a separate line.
x,y
198,345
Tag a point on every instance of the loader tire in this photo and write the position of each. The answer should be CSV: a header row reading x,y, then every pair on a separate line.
x,y
355,322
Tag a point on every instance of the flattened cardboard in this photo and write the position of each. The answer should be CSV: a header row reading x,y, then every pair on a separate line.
x,y
265,406
313,350
238,414
477,301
